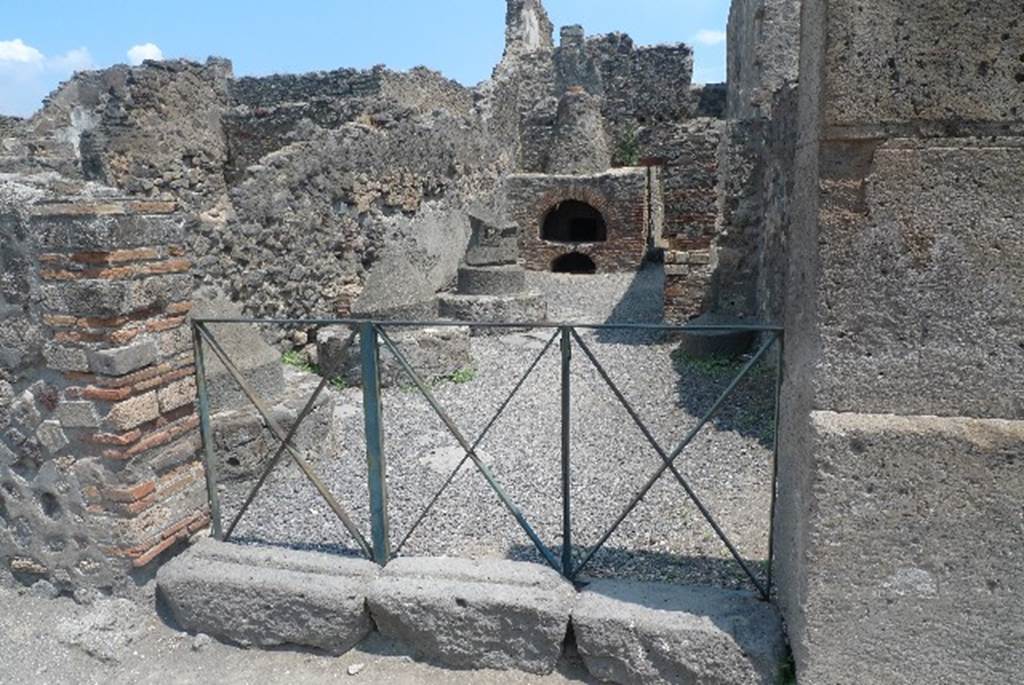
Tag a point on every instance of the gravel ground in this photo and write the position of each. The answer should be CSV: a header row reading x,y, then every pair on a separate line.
x,y
56,641
664,538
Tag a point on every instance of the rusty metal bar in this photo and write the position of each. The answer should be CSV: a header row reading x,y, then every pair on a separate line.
x,y
209,466
775,459
564,332
376,466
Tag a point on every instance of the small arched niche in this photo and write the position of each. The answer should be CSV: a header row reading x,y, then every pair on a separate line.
x,y
573,263
573,221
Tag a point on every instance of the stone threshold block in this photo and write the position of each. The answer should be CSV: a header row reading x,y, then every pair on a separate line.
x,y
266,597
475,614
632,632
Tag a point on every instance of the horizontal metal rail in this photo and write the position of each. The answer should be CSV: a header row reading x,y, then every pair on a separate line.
x,y
752,327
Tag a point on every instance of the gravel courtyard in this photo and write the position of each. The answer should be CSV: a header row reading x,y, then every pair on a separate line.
x,y
665,537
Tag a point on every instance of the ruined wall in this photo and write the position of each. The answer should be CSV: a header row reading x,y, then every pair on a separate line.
x,y
899,523
756,159
98,470
763,54
621,195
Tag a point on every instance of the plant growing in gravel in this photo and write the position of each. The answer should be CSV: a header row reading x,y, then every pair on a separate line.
x,y
464,375
297,360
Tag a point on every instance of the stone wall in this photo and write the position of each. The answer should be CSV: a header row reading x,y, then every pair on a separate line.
x,y
756,159
899,523
98,470
621,195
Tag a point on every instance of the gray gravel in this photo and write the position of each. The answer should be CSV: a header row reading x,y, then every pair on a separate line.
x,y
665,538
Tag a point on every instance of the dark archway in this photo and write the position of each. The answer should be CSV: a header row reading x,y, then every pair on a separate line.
x,y
573,221
574,263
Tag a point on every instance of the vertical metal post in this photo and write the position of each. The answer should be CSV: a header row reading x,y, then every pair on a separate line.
x,y
204,431
780,338
566,441
376,465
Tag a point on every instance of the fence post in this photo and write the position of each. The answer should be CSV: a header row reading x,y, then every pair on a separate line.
x,y
376,465
566,344
203,396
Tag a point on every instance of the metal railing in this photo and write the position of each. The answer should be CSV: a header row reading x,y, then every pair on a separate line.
x,y
373,337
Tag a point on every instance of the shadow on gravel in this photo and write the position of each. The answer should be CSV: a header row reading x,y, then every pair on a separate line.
x,y
750,409
643,302
343,550
622,563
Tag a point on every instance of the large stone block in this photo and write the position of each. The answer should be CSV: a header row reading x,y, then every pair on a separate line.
x,y
433,352
909,542
475,614
918,284
259,363
491,280
630,632
267,597
526,307
105,232
886,62
121,360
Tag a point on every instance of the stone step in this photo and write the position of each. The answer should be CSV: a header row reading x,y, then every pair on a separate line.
x,y
524,307
491,280
630,632
475,614
265,597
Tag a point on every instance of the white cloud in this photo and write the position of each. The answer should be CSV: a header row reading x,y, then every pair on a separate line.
x,y
137,54
78,59
27,75
710,37
16,52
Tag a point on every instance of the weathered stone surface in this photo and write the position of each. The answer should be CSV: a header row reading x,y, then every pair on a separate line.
x,y
267,597
492,242
630,632
527,307
259,363
884,65
491,280
74,414
475,614
909,535
434,352
118,361
395,289
704,344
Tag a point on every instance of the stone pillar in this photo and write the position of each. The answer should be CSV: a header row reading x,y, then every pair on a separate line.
x,y
98,468
579,144
900,530
527,28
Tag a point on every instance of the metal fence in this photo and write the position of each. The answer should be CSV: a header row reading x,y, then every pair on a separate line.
x,y
373,336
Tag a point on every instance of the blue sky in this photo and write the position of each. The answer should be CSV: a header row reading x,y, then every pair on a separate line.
x,y
43,41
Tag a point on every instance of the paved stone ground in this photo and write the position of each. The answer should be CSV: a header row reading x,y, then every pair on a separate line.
x,y
116,641
729,464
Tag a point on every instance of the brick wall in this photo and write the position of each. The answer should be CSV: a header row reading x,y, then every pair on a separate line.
x,y
621,195
115,466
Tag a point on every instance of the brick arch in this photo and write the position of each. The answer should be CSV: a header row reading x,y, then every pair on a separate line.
x,y
550,200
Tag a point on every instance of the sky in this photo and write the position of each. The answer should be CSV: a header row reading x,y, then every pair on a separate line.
x,y
42,42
